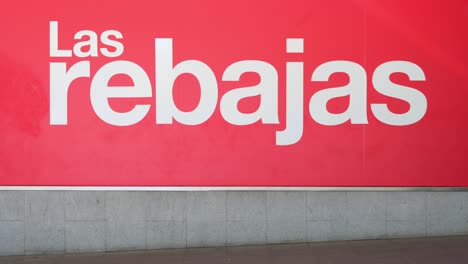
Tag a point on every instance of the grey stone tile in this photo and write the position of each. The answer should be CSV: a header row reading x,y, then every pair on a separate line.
x,y
246,206
45,222
404,229
366,215
465,207
284,231
89,206
126,220
286,205
369,229
366,205
445,214
206,219
11,238
121,235
126,206
406,206
286,217
333,230
206,233
206,206
326,206
167,206
246,232
12,205
166,234
85,236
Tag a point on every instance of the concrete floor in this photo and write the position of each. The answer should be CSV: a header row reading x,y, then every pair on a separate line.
x,y
444,250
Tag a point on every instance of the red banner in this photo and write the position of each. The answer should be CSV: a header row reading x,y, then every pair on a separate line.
x,y
244,93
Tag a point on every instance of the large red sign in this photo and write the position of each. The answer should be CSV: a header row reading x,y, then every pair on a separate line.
x,y
244,93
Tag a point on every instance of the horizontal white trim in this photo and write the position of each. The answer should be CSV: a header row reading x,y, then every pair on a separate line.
x,y
225,188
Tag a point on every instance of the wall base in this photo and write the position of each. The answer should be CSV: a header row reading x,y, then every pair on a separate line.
x,y
45,222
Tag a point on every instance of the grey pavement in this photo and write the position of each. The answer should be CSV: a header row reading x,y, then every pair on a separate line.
x,y
445,250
